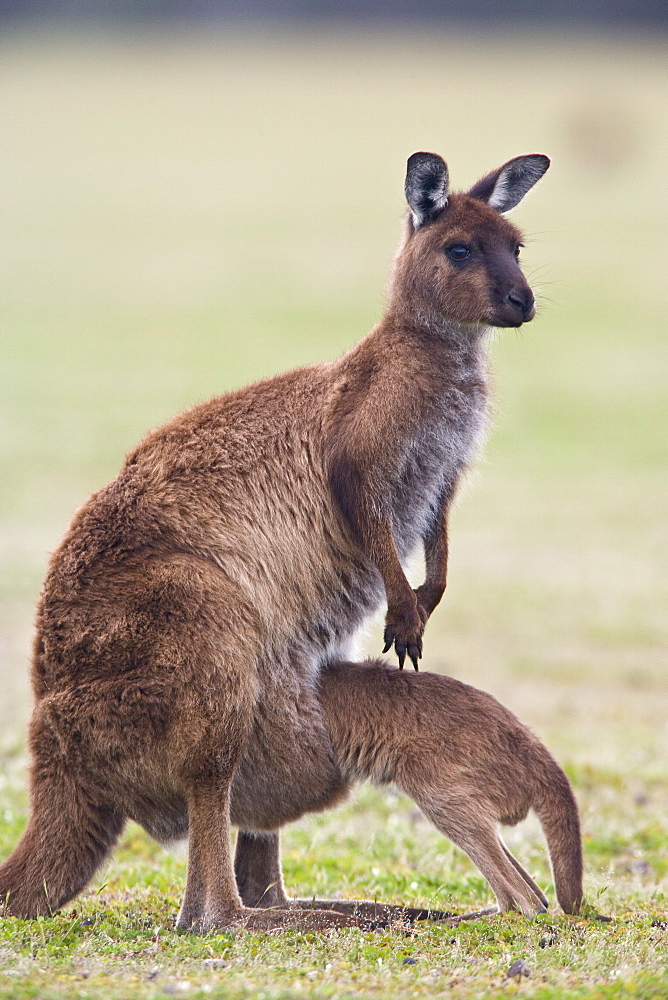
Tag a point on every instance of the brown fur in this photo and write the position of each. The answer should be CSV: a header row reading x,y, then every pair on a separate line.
x,y
465,760
460,755
190,608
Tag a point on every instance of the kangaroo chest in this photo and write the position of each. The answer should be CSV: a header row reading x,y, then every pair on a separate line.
x,y
435,457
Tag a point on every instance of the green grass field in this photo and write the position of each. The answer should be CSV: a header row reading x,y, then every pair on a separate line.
x,y
181,215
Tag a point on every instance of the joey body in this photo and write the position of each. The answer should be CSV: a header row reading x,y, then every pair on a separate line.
x,y
464,759
188,613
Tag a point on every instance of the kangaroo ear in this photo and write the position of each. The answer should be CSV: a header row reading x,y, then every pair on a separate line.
x,y
426,187
504,188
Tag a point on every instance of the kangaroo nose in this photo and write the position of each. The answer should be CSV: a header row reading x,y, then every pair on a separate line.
x,y
522,300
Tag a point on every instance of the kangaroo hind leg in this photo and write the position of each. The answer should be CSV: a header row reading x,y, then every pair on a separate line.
x,y
218,896
257,867
212,890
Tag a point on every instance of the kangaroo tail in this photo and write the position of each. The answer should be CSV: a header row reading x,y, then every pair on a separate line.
x,y
558,814
65,841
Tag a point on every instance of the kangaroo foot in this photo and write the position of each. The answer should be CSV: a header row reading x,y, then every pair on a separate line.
x,y
294,918
489,911
387,912
311,919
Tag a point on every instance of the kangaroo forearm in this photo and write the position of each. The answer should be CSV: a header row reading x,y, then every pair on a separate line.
x,y
431,591
383,552
436,562
355,494
404,622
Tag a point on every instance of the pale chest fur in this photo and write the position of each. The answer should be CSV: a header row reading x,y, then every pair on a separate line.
x,y
445,443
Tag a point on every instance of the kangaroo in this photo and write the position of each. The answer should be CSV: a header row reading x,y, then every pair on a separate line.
x,y
462,757
189,610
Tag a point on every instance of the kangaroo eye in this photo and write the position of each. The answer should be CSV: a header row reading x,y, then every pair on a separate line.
x,y
518,249
458,253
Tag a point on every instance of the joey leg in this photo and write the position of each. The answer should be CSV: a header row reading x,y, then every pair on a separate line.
x,y
511,889
459,820
525,875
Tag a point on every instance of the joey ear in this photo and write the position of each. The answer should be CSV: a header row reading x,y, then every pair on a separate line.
x,y
426,187
504,188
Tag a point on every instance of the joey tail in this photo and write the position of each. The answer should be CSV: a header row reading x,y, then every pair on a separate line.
x,y
558,814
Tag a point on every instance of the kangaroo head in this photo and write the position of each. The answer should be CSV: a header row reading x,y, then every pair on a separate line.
x,y
459,261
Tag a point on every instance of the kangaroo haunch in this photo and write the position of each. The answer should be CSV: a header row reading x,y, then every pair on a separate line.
x,y
187,615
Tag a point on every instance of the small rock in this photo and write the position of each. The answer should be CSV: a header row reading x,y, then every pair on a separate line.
x,y
548,940
182,986
661,924
409,961
518,968
214,963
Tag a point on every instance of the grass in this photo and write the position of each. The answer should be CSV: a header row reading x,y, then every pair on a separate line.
x,y
182,215
118,940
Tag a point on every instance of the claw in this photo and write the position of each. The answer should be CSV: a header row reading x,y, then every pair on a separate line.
x,y
388,646
402,656
414,660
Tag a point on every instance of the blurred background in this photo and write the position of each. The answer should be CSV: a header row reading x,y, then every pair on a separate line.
x,y
196,196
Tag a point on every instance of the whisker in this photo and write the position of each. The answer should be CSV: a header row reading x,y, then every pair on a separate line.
x,y
531,237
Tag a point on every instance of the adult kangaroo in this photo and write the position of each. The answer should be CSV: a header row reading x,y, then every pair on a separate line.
x,y
193,602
